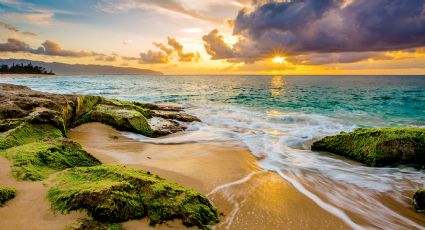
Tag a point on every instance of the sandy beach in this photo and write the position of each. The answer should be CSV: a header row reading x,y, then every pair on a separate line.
x,y
30,209
246,196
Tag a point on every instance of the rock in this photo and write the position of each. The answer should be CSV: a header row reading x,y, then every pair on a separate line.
x,y
419,200
6,193
33,127
179,116
26,133
378,146
21,104
36,160
112,193
164,127
121,118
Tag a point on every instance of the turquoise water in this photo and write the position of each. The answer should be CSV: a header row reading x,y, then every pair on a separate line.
x,y
277,118
387,100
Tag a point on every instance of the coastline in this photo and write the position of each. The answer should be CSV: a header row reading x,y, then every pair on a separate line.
x,y
240,188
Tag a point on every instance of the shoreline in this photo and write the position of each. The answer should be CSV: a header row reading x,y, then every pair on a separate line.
x,y
241,187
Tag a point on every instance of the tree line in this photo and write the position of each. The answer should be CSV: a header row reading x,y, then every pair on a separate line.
x,y
24,69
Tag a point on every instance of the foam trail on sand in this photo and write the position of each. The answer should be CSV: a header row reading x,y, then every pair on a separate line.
x,y
238,182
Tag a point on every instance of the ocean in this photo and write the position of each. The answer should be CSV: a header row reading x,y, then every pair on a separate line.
x,y
277,118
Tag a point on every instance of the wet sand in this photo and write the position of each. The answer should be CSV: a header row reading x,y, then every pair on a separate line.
x,y
248,197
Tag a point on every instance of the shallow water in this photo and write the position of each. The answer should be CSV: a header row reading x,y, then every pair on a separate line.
x,y
278,118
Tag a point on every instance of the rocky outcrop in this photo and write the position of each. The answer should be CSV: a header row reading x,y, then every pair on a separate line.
x,y
33,127
112,193
21,104
378,146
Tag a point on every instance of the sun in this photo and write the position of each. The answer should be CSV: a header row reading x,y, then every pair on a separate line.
x,y
279,60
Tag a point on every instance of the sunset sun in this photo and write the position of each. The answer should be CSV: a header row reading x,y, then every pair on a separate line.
x,y
279,60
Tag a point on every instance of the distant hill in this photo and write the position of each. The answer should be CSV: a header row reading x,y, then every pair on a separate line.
x,y
77,69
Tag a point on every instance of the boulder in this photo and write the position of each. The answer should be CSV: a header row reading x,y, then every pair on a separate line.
x,y
112,193
378,146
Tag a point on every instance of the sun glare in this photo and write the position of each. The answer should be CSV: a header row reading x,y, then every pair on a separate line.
x,y
279,60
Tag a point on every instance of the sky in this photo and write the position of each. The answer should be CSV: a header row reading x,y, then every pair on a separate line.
x,y
271,37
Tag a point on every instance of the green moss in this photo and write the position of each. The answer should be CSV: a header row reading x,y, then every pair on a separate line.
x,y
6,193
378,146
140,107
121,118
85,104
116,193
9,124
419,200
27,133
90,224
36,160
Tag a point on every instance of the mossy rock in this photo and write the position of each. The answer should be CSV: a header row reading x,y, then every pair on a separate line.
x,y
116,193
90,224
140,107
26,133
121,118
419,200
36,160
85,104
378,146
6,193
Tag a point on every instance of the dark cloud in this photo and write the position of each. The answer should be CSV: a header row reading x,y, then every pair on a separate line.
x,y
216,47
302,27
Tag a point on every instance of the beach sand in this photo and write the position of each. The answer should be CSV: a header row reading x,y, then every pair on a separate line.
x,y
247,196
30,209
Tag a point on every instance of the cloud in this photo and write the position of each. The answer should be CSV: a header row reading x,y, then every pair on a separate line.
x,y
15,45
305,27
216,47
29,33
50,48
9,27
112,6
183,57
165,52
15,29
154,57
53,49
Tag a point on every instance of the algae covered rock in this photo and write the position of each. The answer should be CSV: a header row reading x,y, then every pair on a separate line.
x,y
20,104
6,193
27,133
121,118
36,160
419,200
112,193
378,146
